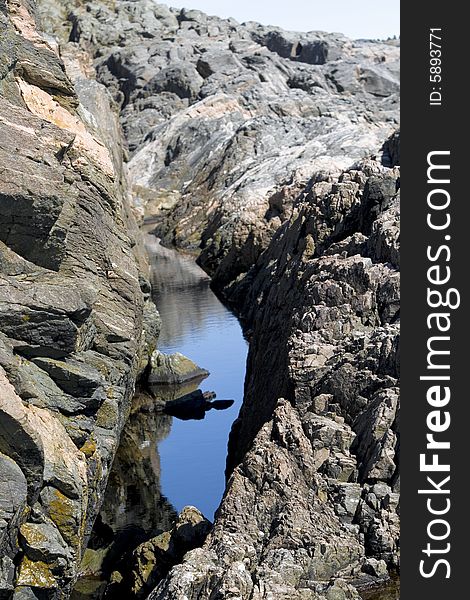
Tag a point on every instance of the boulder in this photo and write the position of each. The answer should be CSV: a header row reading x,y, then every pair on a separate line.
x,y
180,79
173,369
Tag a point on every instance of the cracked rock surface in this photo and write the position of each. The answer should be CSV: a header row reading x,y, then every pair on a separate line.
x,y
71,305
273,155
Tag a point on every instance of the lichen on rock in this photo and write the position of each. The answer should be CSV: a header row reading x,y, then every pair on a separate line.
x,y
274,157
71,298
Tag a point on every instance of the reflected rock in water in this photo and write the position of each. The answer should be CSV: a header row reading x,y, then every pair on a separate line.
x,y
164,393
177,281
134,509
195,405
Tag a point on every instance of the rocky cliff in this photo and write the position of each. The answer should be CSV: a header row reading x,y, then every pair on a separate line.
x,y
225,122
311,508
266,153
72,301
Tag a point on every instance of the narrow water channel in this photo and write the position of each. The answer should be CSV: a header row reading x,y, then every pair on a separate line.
x,y
196,324
164,464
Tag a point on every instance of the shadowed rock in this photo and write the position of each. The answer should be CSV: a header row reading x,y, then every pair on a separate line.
x,y
152,560
72,304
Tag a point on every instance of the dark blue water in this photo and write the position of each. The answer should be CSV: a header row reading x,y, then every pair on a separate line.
x,y
199,326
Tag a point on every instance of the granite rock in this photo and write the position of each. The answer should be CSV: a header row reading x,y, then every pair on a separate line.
x,y
173,369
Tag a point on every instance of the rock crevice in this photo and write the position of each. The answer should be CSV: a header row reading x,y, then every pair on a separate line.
x,y
272,155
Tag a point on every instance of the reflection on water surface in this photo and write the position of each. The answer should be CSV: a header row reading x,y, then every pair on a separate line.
x,y
197,324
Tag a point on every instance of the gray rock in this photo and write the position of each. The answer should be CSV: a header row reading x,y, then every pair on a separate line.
x,y
152,560
173,369
212,63
19,441
392,150
73,377
42,542
315,48
13,503
263,150
346,497
377,568
71,304
182,80
7,574
151,328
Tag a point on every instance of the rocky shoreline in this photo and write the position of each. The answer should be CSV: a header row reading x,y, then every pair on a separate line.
x,y
273,155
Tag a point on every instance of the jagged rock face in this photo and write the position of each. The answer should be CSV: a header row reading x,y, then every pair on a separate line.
x,y
325,294
226,122
313,490
71,304
265,150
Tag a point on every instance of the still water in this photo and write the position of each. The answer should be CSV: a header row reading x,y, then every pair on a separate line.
x,y
195,323
199,326
164,463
